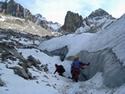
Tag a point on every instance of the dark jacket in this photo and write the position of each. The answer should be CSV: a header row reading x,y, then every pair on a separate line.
x,y
60,69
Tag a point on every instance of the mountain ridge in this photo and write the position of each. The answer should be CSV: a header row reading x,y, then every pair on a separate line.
x,y
97,20
85,24
15,9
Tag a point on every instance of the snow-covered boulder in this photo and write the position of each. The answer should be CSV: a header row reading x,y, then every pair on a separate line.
x,y
21,72
104,61
62,52
1,82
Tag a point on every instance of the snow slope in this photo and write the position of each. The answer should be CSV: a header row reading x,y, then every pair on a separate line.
x,y
48,83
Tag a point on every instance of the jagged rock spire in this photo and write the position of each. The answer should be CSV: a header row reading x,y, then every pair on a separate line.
x,y
72,21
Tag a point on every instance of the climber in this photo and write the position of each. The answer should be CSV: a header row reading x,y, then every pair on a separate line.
x,y
60,69
75,68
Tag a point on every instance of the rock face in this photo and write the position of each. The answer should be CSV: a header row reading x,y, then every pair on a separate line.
x,y
15,9
72,22
104,61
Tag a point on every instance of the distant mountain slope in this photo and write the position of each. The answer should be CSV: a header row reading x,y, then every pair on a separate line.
x,y
97,21
18,24
17,10
49,25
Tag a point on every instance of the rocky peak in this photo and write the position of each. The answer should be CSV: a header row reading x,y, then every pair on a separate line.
x,y
72,22
39,16
96,21
49,25
98,12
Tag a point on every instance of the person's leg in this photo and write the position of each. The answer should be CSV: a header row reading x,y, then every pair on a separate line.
x,y
77,72
74,75
60,73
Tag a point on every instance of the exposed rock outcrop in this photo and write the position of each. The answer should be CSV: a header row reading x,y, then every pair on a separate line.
x,y
15,9
72,22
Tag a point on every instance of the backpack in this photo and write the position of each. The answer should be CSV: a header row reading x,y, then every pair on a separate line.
x,y
62,68
76,64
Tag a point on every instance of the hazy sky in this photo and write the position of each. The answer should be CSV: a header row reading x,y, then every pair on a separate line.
x,y
55,10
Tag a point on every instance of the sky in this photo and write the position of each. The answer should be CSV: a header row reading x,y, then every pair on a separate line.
x,y
55,10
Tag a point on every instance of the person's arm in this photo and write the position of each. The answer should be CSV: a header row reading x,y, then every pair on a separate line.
x,y
83,65
55,71
88,64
